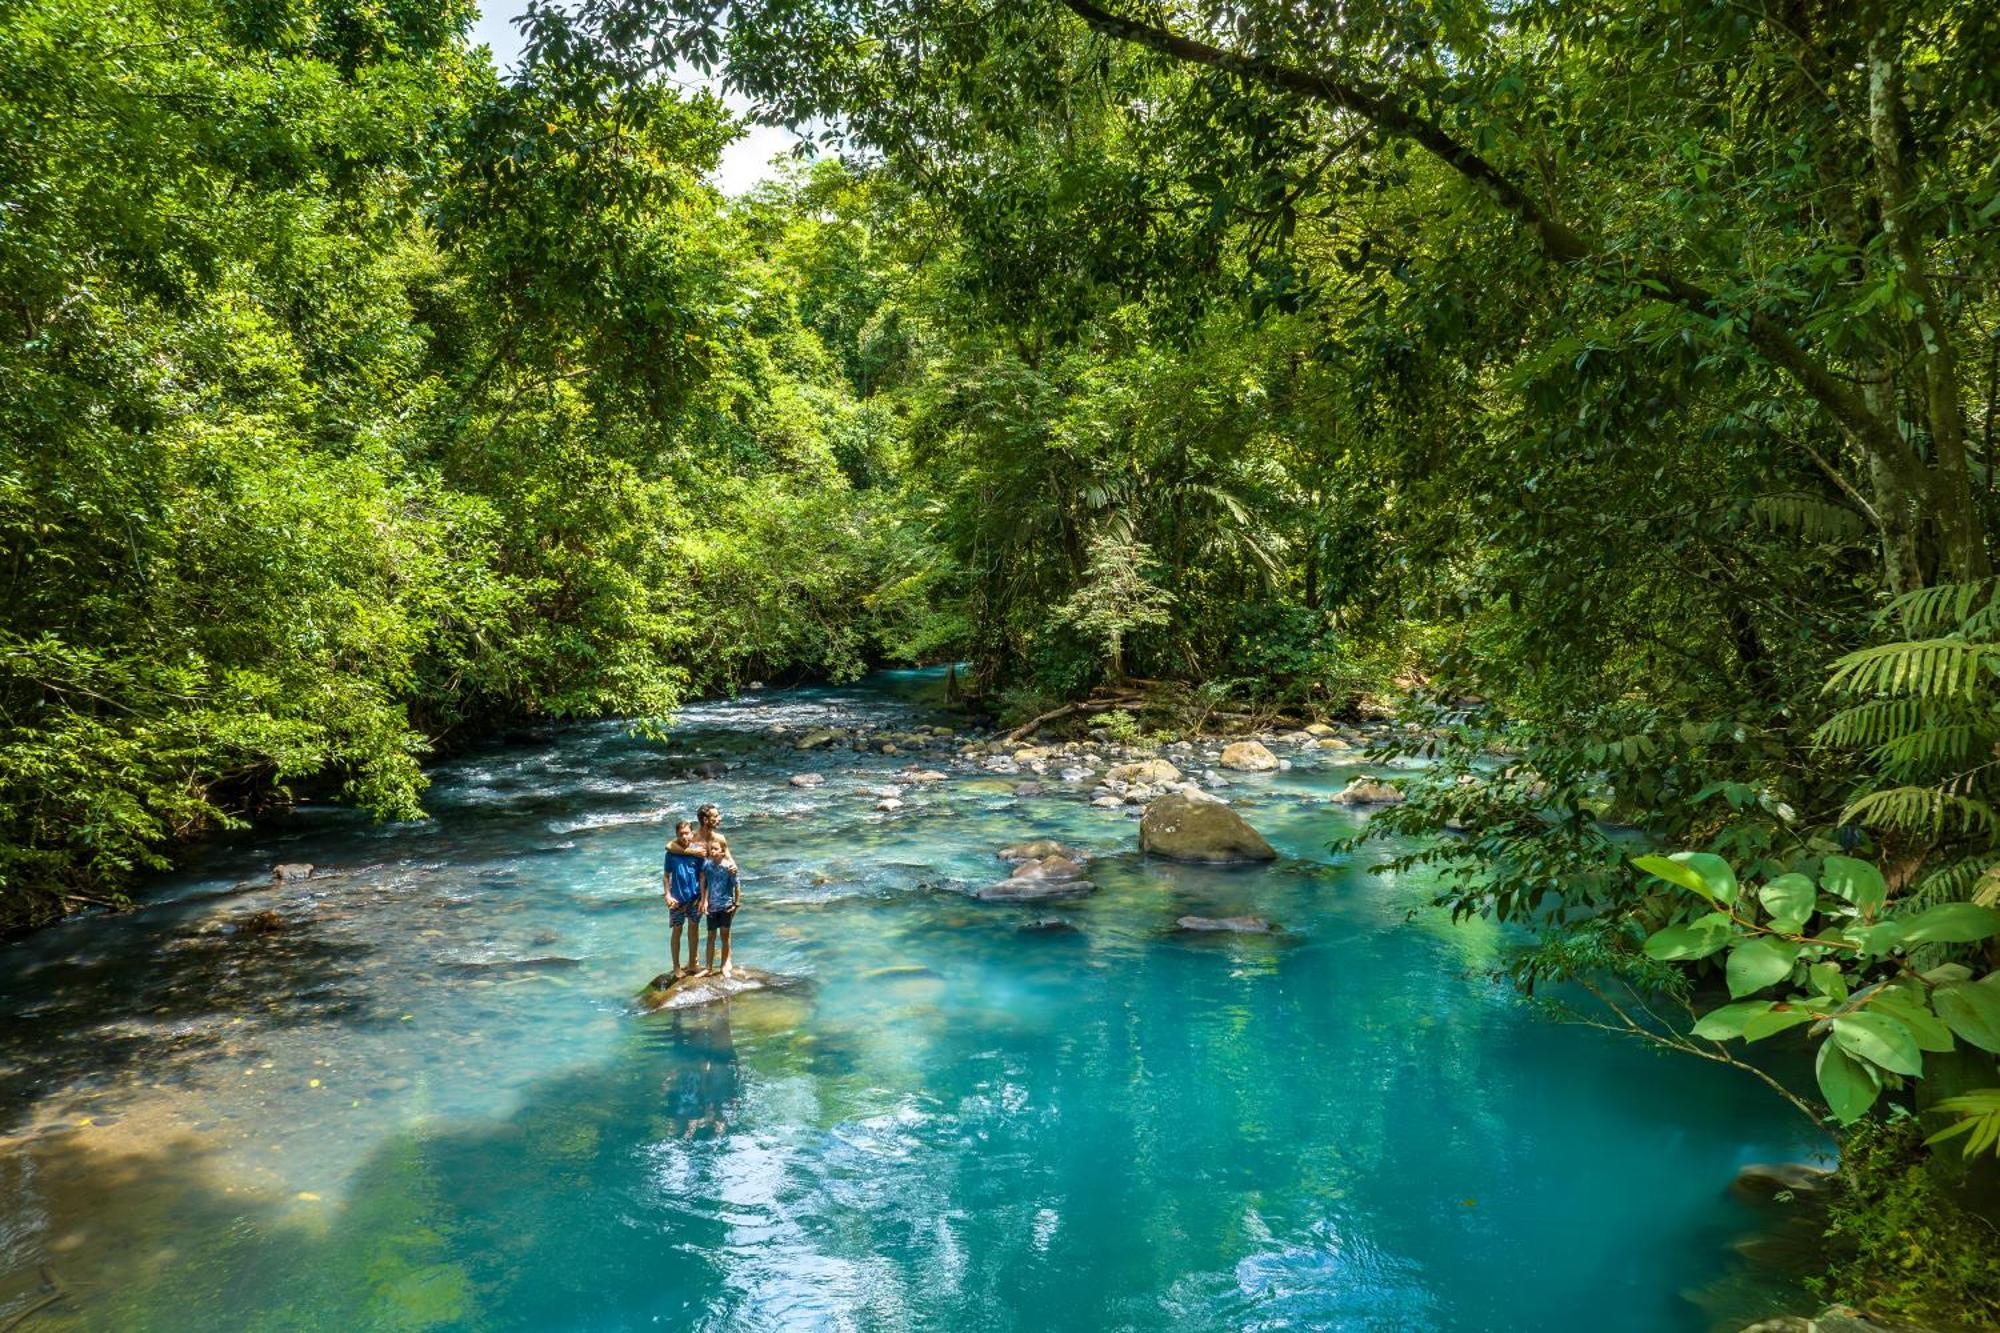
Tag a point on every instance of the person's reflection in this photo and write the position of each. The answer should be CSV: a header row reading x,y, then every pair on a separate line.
x,y
702,1088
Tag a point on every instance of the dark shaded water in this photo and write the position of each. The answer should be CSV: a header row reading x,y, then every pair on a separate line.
x,y
378,1117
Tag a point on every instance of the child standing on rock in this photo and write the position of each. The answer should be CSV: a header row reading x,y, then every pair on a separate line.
x,y
682,880
720,887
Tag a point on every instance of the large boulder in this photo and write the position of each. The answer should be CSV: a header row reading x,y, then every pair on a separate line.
x,y
1369,791
1188,828
1146,772
1248,757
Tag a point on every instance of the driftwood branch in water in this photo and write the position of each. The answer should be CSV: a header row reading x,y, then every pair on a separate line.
x,y
54,1291
1032,725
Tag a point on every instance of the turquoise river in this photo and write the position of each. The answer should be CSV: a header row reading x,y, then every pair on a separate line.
x,y
421,1096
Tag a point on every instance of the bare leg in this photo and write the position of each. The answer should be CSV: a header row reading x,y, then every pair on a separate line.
x,y
674,954
712,932
725,949
694,946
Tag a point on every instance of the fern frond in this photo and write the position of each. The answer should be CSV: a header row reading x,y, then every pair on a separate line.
x,y
1979,1121
1812,517
1944,606
1926,750
1873,723
1926,810
1923,668
1965,879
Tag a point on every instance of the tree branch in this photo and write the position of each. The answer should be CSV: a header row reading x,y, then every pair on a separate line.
x,y
1558,241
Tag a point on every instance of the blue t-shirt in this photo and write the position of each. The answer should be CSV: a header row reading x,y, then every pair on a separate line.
x,y
684,876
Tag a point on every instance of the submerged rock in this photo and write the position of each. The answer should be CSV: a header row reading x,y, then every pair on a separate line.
x,y
1185,828
291,870
1048,925
665,992
1233,925
1369,791
708,768
1248,757
1038,879
1767,1180
815,739
1020,890
266,922
552,963
1040,849
1833,1319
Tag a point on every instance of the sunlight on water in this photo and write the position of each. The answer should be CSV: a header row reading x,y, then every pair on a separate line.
x,y
427,1100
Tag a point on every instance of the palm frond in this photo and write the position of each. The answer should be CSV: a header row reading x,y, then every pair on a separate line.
x,y
1921,668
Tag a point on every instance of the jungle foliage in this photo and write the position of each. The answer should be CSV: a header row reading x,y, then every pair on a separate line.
x,y
352,398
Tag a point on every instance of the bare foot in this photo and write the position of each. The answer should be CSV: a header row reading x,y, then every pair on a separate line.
x,y
728,970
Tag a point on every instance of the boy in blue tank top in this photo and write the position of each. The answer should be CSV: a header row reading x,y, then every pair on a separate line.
x,y
683,883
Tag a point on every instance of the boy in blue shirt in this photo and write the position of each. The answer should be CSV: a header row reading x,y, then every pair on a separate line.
x,y
682,881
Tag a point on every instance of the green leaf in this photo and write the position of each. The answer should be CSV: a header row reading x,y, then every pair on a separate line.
x,y
1788,898
1952,923
1712,871
1698,878
1848,1087
1857,881
1877,940
1780,1018
1908,1006
1972,1010
1721,1024
1697,939
1755,964
1828,980
1879,1039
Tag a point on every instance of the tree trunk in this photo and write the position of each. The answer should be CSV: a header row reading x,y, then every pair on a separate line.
x,y
1962,544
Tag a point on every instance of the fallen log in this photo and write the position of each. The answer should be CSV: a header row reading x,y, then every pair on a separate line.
x,y
1032,725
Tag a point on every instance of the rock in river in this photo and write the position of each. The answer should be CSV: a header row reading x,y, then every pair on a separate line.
x,y
1043,879
1040,849
1248,757
1152,772
1187,828
1232,925
664,992
1369,791
807,779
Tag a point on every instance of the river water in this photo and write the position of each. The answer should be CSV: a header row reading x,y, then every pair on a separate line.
x,y
404,1108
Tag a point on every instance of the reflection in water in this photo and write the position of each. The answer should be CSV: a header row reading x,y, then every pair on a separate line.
x,y
425,1100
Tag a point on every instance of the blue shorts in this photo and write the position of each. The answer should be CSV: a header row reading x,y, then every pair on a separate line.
x,y
682,913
